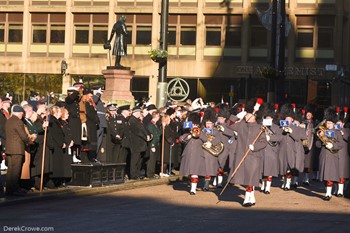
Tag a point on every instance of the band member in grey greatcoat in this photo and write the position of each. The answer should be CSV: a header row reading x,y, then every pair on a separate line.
x,y
192,158
344,159
329,157
249,173
273,135
290,160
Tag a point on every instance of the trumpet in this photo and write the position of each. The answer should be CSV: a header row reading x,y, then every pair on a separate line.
x,y
195,132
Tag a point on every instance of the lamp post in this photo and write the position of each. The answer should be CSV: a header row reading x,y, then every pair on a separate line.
x,y
162,71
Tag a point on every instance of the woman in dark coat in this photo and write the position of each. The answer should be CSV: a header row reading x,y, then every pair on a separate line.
x,y
58,145
169,142
40,121
67,155
92,122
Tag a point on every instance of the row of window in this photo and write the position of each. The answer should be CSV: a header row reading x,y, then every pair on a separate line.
x,y
315,32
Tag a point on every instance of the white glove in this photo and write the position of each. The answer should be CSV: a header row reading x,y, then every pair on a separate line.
x,y
329,145
241,114
235,133
207,144
268,138
153,149
251,147
287,130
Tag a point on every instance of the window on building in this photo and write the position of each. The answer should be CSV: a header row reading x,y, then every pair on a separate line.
x,y
39,33
15,33
305,38
100,34
2,32
188,27
143,35
315,32
57,33
90,28
258,34
143,23
188,35
172,35
15,28
48,28
213,36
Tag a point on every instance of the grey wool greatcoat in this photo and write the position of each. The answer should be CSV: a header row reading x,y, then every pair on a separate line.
x,y
192,158
344,159
291,154
211,162
329,162
249,172
270,162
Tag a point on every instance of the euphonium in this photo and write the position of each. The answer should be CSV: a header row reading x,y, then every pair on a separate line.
x,y
214,150
321,134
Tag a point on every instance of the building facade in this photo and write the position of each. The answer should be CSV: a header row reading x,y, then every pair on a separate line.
x,y
220,48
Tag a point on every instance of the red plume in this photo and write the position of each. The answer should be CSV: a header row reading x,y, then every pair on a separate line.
x,y
293,105
201,114
337,109
259,101
243,107
276,106
216,110
346,109
303,111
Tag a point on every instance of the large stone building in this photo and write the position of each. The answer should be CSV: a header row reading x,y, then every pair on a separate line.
x,y
219,47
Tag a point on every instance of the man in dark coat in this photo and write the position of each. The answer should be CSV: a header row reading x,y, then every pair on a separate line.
x,y
101,112
138,138
120,43
17,138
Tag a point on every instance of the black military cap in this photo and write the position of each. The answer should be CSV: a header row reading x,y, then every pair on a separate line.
x,y
95,88
111,107
151,107
124,107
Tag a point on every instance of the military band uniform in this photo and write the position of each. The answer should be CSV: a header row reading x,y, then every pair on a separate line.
x,y
250,171
270,157
344,161
329,161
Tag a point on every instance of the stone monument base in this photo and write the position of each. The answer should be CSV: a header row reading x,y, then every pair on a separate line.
x,y
117,88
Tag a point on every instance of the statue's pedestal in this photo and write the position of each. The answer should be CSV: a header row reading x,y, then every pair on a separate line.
x,y
117,88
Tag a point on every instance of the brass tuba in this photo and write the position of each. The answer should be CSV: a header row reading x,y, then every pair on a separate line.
x,y
321,134
214,150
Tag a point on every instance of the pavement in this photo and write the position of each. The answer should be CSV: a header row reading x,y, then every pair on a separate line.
x,y
70,190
